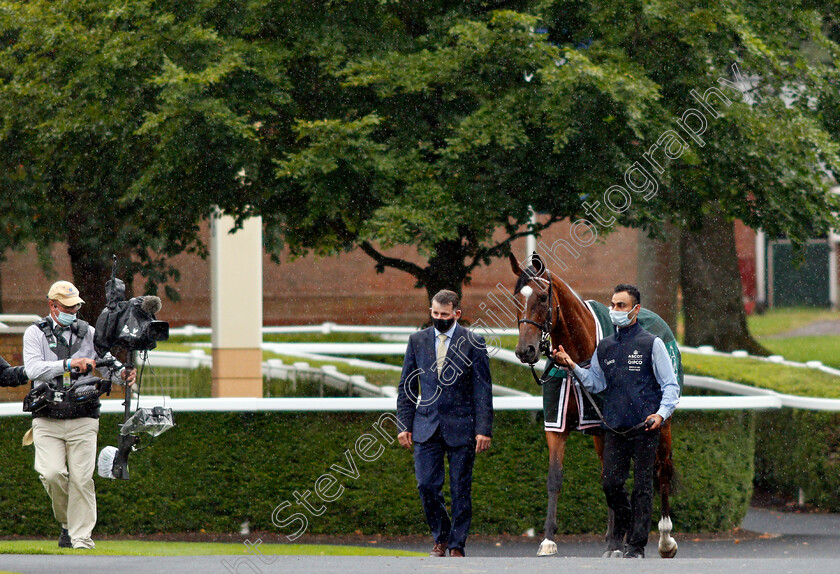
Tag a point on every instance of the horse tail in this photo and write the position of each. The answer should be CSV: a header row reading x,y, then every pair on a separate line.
x,y
666,472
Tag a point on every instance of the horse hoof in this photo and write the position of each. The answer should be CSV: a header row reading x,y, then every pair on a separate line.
x,y
667,545
612,554
547,548
668,552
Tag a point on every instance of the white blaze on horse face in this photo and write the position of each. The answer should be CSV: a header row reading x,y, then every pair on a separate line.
x,y
527,291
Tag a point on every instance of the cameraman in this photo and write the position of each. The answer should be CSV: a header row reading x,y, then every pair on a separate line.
x,y
64,433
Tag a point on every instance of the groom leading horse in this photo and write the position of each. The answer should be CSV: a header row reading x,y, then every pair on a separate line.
x,y
550,313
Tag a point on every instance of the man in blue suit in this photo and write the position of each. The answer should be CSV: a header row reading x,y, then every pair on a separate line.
x,y
445,402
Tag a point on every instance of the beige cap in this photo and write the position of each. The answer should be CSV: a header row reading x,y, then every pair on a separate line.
x,y
65,293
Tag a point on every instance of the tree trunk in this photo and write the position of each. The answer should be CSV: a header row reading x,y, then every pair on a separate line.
x,y
711,287
90,272
446,269
659,273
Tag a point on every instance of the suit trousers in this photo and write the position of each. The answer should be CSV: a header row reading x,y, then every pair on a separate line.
x,y
632,517
428,468
65,457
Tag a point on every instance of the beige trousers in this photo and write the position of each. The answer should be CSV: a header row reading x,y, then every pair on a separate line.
x,y
65,457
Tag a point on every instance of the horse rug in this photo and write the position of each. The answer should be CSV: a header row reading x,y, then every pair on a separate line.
x,y
556,385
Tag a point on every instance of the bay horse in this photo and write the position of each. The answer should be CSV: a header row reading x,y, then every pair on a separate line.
x,y
550,313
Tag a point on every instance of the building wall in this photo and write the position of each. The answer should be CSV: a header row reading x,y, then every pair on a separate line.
x,y
344,288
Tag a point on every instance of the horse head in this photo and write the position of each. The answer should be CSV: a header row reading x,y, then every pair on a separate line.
x,y
536,309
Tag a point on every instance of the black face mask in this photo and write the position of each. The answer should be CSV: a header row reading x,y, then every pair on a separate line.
x,y
443,325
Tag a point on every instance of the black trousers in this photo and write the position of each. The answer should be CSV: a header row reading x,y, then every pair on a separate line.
x,y
428,468
632,517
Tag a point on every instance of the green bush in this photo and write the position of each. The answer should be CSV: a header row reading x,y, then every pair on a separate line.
x,y
714,455
215,470
800,449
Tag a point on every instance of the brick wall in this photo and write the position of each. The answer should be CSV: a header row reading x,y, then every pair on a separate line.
x,y
345,288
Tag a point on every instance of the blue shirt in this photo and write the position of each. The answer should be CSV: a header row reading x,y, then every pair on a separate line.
x,y
594,381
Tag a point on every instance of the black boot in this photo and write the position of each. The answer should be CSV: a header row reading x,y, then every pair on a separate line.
x,y
64,539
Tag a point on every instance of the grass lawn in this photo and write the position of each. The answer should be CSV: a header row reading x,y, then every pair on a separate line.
x,y
148,548
285,338
781,378
825,348
791,380
373,376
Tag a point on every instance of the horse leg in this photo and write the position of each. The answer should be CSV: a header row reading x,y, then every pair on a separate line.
x,y
665,475
556,451
614,545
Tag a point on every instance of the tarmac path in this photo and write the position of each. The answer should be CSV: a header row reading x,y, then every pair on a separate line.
x,y
817,328
775,543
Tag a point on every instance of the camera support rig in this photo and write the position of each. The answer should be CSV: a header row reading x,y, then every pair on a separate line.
x,y
130,326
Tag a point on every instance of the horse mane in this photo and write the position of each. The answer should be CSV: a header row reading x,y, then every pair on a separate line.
x,y
530,273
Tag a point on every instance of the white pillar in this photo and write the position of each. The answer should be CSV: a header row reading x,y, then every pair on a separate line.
x,y
236,314
760,262
531,240
833,240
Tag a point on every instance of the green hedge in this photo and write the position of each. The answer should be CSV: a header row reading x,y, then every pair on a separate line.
x,y
215,470
800,449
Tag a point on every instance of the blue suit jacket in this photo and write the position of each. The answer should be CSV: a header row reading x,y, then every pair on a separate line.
x,y
460,401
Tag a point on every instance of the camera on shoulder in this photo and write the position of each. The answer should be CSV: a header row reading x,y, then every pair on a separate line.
x,y
131,324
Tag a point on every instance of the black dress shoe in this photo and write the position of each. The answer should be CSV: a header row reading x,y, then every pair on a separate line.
x,y
439,550
64,539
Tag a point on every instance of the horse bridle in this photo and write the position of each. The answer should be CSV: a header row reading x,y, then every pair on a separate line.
x,y
544,327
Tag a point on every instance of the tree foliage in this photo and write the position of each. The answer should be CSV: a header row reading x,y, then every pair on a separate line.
x,y
470,114
84,95
374,124
454,133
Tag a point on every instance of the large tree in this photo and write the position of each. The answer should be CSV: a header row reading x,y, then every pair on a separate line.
x,y
84,91
450,133
431,125
375,124
766,158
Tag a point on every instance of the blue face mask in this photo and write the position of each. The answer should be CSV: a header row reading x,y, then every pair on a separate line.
x,y
65,318
620,318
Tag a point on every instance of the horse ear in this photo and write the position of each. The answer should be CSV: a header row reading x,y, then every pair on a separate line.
x,y
514,264
538,263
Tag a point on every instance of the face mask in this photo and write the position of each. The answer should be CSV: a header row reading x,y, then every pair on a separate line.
x,y
620,318
66,318
443,325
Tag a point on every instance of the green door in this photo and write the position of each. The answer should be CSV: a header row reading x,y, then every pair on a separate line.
x,y
805,285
